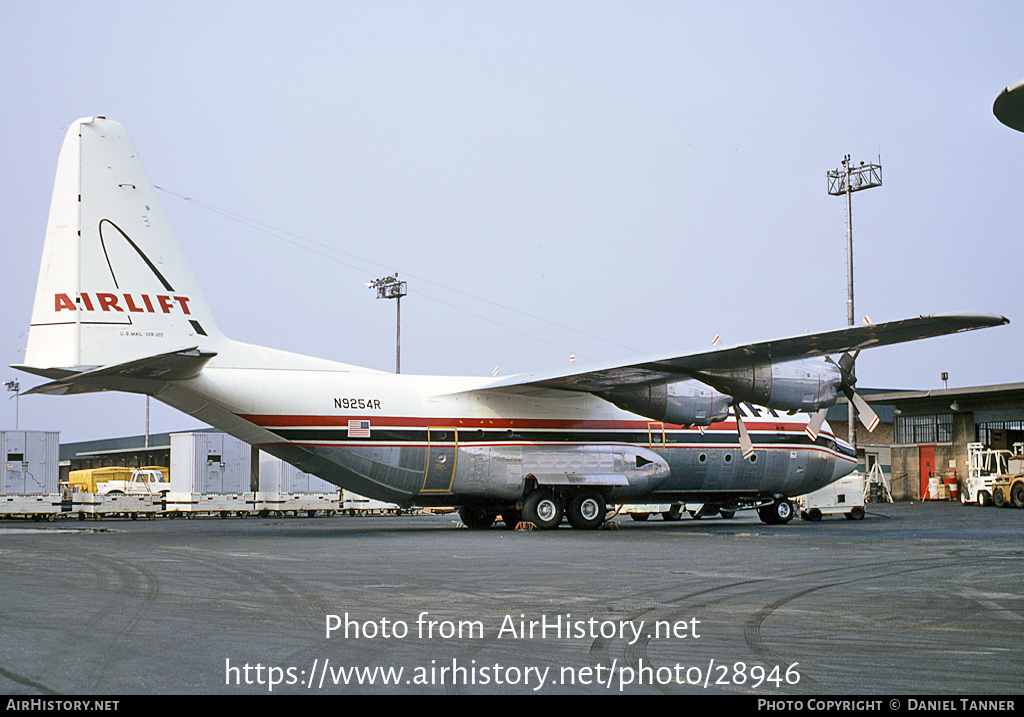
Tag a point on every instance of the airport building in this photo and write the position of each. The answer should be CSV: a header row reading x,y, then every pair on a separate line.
x,y
926,433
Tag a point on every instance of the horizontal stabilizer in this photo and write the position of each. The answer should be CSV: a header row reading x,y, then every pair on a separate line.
x,y
140,376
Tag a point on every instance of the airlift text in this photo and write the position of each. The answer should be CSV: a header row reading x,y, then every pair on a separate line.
x,y
132,303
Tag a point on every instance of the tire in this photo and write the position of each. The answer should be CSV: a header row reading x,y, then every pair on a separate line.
x,y
640,517
999,497
984,498
543,508
814,515
727,514
1017,494
476,518
778,513
586,510
856,513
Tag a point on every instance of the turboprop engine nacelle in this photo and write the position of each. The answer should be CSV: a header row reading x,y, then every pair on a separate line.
x,y
806,385
685,403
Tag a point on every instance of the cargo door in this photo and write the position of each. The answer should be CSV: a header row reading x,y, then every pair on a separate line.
x,y
235,470
442,452
16,463
211,458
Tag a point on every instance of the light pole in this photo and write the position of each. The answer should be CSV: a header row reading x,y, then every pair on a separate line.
x,y
847,180
16,388
389,287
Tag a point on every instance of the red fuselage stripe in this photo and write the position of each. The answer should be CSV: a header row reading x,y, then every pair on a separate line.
x,y
268,421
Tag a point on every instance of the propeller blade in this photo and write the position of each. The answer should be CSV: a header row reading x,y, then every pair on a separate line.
x,y
746,445
846,361
868,417
814,426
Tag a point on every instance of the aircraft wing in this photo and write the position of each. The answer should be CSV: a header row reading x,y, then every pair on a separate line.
x,y
651,372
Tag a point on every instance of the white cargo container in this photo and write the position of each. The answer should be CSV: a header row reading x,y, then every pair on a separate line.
x,y
355,504
38,507
285,488
31,462
99,506
210,463
276,476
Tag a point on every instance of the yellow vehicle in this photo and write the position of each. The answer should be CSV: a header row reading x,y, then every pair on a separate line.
x,y
1008,490
117,479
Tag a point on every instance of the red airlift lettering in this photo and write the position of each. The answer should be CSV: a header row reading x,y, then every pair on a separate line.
x,y
132,303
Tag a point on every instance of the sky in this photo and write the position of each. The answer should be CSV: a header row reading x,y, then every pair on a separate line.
x,y
606,180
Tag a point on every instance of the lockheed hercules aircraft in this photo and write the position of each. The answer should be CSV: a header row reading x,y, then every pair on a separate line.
x,y
117,308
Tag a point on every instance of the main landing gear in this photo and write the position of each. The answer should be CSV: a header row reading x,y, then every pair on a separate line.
x,y
545,508
777,512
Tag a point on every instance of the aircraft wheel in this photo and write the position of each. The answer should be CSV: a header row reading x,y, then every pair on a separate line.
x,y
1017,495
542,508
476,518
587,510
779,512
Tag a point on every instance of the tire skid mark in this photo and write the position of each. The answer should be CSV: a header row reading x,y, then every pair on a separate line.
x,y
116,596
281,591
601,648
131,601
752,628
27,682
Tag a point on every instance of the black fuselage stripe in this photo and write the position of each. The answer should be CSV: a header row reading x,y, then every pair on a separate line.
x,y
470,436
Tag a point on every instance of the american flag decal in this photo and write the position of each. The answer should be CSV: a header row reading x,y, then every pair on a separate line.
x,y
358,429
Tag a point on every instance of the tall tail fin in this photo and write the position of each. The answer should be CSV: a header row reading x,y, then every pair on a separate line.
x,y
114,286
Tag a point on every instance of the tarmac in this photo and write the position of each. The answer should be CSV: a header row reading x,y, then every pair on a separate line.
x,y
915,599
